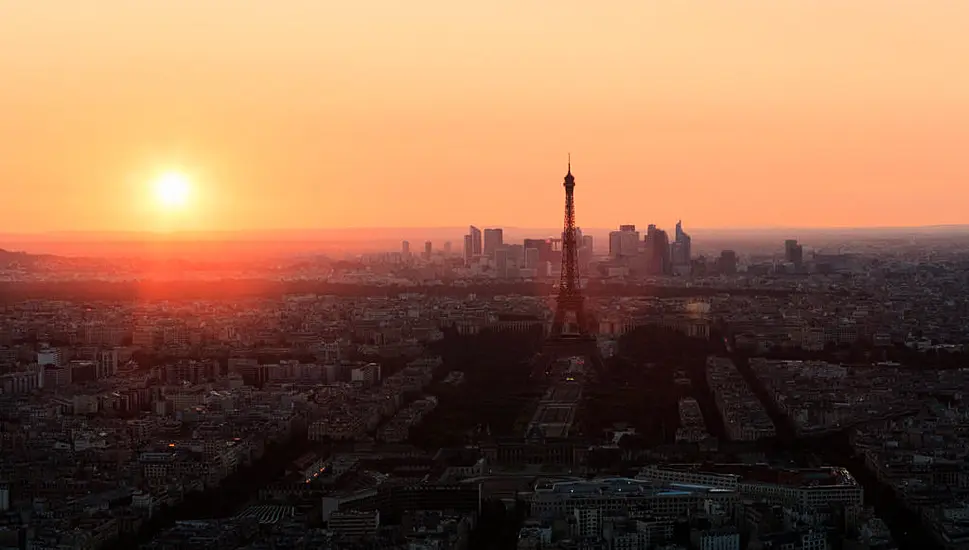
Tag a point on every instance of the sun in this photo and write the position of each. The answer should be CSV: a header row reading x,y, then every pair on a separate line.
x,y
172,190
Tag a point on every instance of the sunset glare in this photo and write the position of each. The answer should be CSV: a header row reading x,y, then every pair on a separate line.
x,y
310,114
172,190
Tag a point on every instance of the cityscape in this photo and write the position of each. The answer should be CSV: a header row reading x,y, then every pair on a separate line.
x,y
440,275
548,394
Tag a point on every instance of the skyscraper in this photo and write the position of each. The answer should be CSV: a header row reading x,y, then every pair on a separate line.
x,y
493,239
501,262
532,258
615,244
468,249
447,248
793,252
405,248
516,254
427,250
475,234
544,247
682,246
625,242
658,251
585,252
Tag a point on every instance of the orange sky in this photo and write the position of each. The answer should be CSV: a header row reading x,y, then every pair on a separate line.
x,y
311,113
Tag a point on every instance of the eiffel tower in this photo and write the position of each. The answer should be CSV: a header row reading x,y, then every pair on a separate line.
x,y
570,304
572,334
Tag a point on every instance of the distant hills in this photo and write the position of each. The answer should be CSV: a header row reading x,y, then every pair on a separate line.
x,y
9,258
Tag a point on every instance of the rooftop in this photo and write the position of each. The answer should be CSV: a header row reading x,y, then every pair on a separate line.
x,y
620,486
761,473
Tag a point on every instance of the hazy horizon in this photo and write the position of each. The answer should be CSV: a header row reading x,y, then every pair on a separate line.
x,y
241,245
367,232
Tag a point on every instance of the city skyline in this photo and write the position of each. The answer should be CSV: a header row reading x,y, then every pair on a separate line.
x,y
772,126
457,275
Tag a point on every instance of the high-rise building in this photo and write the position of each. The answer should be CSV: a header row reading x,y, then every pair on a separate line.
x,y
682,246
447,248
585,253
501,262
532,257
468,249
427,250
615,244
493,239
793,252
475,234
544,247
658,251
516,254
625,242
405,248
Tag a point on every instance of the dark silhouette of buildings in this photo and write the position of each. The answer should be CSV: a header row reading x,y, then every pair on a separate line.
x,y
682,246
475,234
658,251
793,253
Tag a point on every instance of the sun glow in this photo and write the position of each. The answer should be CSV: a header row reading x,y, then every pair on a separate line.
x,y
172,190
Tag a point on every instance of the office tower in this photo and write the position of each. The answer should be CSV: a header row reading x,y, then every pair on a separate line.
x,y
493,239
615,244
447,248
468,249
475,234
516,254
544,247
658,251
585,252
427,250
532,257
793,252
501,262
625,242
630,242
683,246
727,264
676,253
405,248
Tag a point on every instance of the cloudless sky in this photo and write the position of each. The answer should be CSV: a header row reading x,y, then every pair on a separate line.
x,y
312,113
